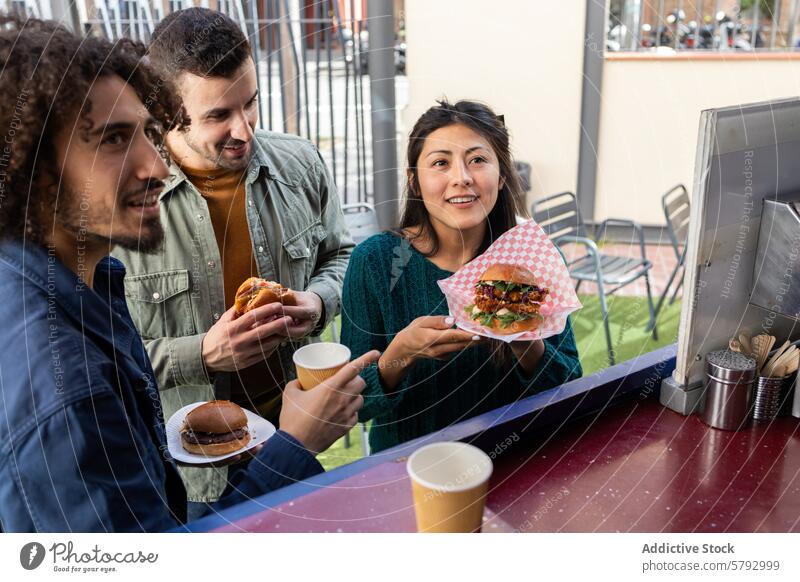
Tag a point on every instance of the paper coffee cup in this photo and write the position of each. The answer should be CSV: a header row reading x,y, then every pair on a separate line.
x,y
449,482
316,363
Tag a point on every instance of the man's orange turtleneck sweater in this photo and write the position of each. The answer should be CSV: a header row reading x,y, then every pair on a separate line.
x,y
258,387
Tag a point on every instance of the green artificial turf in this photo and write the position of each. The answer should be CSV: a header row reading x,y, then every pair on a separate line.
x,y
628,317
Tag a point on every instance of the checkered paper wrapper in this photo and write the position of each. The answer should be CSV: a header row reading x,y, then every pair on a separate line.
x,y
527,246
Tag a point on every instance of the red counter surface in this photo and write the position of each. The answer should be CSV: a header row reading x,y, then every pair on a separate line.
x,y
632,465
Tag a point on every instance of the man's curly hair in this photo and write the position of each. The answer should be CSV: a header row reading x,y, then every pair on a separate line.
x,y
46,72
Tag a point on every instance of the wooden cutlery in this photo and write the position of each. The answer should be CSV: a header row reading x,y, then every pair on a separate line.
x,y
783,362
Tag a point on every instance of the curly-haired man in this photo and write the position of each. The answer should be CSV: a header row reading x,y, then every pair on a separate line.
x,y
83,437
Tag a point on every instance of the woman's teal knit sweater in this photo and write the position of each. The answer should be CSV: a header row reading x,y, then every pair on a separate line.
x,y
388,285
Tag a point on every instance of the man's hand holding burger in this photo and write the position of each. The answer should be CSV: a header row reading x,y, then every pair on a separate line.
x,y
264,315
250,330
238,342
305,314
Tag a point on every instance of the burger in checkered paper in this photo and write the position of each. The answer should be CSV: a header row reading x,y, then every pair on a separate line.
x,y
519,289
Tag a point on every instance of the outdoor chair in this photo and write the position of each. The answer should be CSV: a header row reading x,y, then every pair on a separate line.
x,y
560,218
362,221
677,211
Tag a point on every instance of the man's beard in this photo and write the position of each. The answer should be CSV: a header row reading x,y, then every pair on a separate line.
x,y
148,244
217,157
78,222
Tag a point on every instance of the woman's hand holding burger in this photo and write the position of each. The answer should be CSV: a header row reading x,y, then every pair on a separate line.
x,y
528,353
322,415
430,337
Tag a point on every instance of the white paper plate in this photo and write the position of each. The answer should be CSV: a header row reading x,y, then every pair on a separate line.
x,y
260,430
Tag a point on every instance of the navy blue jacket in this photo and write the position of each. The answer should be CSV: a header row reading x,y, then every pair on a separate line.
x,y
82,442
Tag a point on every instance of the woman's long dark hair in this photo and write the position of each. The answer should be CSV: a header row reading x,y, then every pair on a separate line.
x,y
510,198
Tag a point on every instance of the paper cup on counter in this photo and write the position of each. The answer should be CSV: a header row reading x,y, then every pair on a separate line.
x,y
315,363
449,482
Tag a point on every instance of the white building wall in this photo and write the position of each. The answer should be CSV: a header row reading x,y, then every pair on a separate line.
x,y
525,59
650,115
522,57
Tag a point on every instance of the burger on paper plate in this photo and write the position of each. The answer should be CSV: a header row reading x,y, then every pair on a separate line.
x,y
215,428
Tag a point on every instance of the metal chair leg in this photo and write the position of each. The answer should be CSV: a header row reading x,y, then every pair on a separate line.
x,y
650,307
335,339
578,285
677,287
334,332
364,439
663,296
604,310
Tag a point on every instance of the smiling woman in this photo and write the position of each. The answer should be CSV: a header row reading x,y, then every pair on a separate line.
x,y
469,144
462,194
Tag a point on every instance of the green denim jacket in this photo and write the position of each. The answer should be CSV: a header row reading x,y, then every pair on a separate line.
x,y
299,239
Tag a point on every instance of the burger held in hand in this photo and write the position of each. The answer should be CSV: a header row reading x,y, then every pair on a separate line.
x,y
215,428
507,300
255,292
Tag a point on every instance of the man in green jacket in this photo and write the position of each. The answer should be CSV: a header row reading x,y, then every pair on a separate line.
x,y
239,202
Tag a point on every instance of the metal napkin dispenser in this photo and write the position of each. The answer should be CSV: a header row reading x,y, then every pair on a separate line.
x,y
776,273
